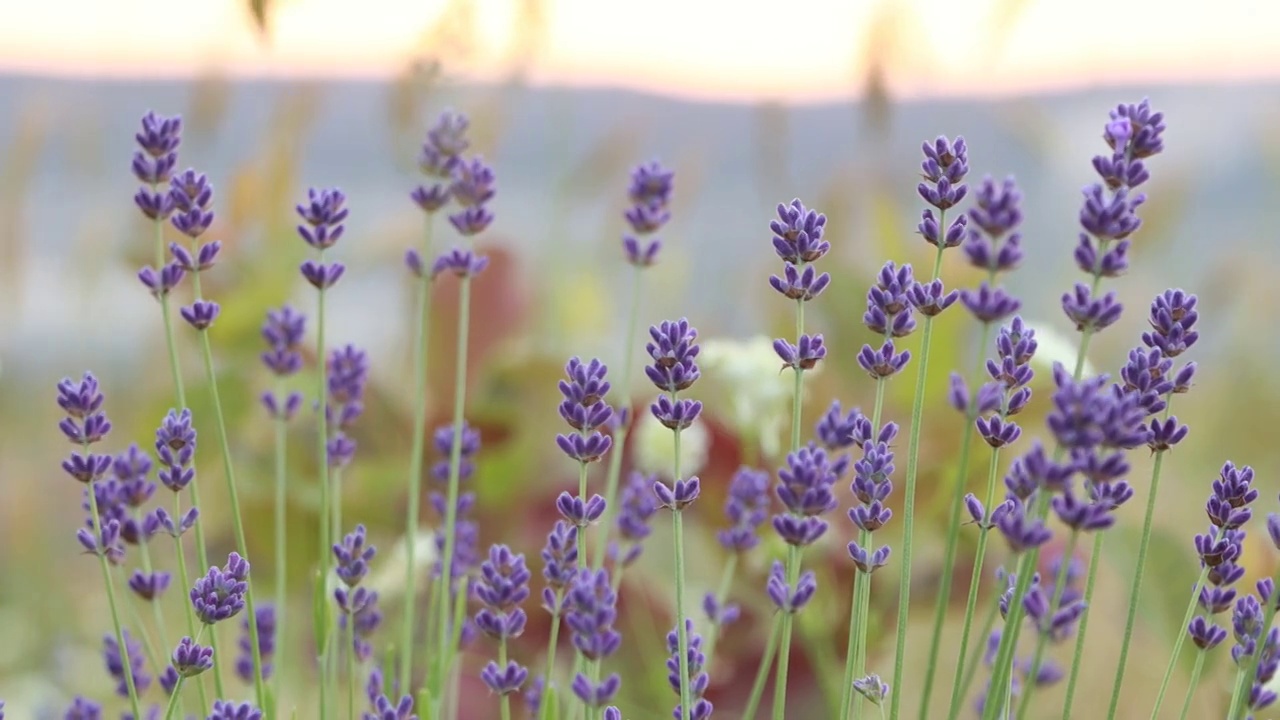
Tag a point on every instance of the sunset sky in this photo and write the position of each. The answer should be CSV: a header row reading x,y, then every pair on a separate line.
x,y
712,48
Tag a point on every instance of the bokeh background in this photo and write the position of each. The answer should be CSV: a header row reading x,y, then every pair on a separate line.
x,y
752,103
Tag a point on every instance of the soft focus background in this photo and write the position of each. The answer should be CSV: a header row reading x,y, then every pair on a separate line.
x,y
751,104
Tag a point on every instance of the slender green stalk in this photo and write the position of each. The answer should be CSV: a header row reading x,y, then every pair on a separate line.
x,y
762,674
1191,686
504,699
185,581
1269,615
416,459
856,640
1181,637
335,478
952,545
444,651
1001,676
975,582
455,636
677,531
909,498
111,594
173,698
218,688
614,472
1239,693
860,606
1084,626
351,666
551,655
237,523
971,664
784,651
722,594
1136,589
322,464
1042,638
282,544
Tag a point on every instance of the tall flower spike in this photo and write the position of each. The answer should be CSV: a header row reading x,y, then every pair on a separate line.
x,y
266,615
131,657
636,508
699,708
503,586
560,565
649,193
472,188
440,156
944,168
993,243
322,215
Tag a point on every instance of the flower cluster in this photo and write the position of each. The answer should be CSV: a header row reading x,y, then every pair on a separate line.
x,y
636,508
650,194
585,411
502,587
441,154
219,595
872,484
190,659
127,660
592,610
322,215
700,708
348,373
466,547
283,331
674,353
559,565
266,616
357,604
797,240
1220,550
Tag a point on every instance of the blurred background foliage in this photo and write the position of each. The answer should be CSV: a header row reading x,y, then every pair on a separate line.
x,y
552,291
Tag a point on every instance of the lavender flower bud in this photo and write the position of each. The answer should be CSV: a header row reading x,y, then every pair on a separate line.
x,y
227,710
190,659
219,595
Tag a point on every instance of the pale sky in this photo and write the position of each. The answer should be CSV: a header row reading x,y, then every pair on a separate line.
x,y
713,48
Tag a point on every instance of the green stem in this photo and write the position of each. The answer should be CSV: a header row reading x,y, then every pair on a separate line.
x,y
173,698
722,594
1001,676
909,498
236,522
1191,687
416,459
677,530
1182,636
444,651
974,660
762,674
1042,638
282,545
784,650
185,581
324,542
351,667
1239,693
1084,625
455,636
111,596
614,473
975,582
952,546
217,664
1136,589
504,699
551,658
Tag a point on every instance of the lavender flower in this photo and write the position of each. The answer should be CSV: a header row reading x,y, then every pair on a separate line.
x,y
348,372
322,215
872,688
227,710
650,193
116,662
995,245
266,616
699,708
503,586
472,188
384,709
674,350
786,598
636,507
944,168
190,659
560,565
746,508
219,595
805,490
889,314
82,709
592,610
440,156
283,332
466,538
175,450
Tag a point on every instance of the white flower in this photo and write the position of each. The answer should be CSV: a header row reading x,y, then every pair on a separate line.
x,y
655,447
752,392
1054,347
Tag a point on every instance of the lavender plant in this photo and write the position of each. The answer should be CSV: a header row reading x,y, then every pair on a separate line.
x,y
1074,481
